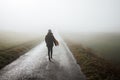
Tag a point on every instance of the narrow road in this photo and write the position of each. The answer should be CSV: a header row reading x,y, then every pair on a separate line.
x,y
34,65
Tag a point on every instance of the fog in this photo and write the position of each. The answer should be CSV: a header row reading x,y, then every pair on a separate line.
x,y
63,15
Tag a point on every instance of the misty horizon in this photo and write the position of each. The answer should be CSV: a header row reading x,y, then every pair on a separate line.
x,y
63,15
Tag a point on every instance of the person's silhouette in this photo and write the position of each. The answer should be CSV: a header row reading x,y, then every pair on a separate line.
x,y
50,41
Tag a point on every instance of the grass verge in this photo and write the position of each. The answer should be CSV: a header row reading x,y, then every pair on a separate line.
x,y
94,67
12,53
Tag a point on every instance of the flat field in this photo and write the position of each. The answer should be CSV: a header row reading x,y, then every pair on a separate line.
x,y
13,44
98,54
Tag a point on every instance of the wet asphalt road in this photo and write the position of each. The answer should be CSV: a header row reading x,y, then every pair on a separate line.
x,y
34,65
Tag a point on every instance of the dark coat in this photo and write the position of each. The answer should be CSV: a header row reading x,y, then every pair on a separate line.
x,y
50,40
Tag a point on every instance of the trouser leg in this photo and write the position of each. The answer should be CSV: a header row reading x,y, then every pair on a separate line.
x,y
49,53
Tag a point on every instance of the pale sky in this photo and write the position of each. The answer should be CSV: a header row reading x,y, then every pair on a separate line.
x,y
63,15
